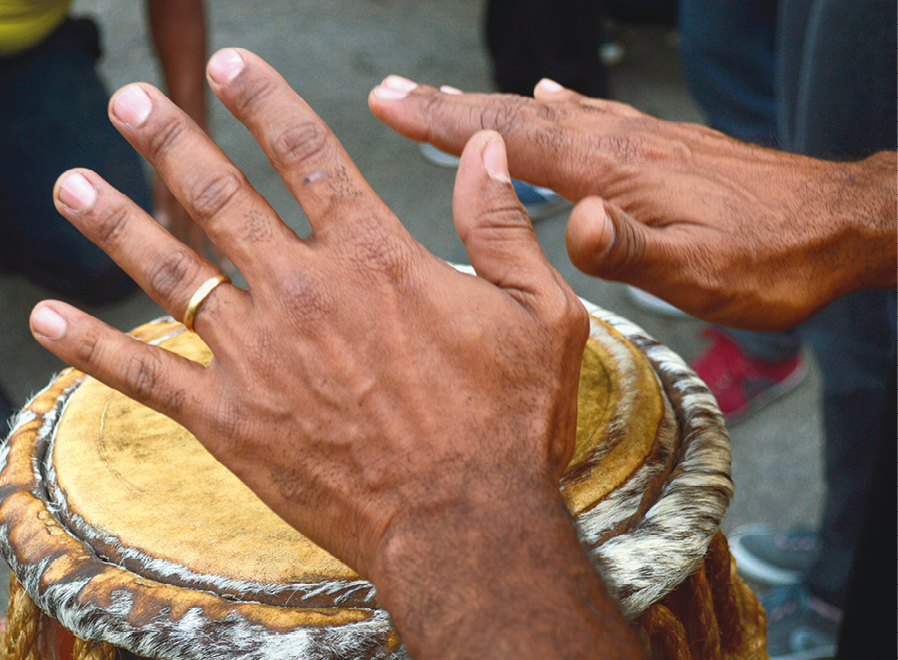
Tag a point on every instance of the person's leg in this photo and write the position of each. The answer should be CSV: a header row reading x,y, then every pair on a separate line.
x,y
839,90
844,107
560,39
53,111
868,613
727,57
837,96
792,21
854,340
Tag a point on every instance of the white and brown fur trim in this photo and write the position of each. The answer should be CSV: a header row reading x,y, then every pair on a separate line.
x,y
103,601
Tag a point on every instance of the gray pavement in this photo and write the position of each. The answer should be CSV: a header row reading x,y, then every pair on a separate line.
x,y
333,53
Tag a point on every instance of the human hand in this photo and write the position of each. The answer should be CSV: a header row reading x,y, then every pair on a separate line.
x,y
360,383
726,231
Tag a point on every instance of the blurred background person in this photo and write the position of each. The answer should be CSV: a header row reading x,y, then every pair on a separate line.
x,y
53,117
815,77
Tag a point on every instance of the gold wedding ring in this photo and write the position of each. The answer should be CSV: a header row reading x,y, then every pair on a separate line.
x,y
201,294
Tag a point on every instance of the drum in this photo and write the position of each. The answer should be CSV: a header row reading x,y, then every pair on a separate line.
x,y
127,539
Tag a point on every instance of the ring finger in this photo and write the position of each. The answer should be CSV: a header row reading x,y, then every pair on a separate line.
x,y
165,268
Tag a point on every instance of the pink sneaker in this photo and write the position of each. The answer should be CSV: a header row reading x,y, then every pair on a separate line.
x,y
741,384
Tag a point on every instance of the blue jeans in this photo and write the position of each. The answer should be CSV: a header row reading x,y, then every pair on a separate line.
x,y
53,117
824,86
727,54
837,91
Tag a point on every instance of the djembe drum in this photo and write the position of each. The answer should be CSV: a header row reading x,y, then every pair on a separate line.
x,y
126,538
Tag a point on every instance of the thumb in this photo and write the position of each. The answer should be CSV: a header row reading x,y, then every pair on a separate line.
x,y
492,223
604,241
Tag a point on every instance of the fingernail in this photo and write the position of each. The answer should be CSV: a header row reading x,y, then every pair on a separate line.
x,y
132,105
394,87
607,235
76,192
47,323
446,89
550,86
494,161
225,65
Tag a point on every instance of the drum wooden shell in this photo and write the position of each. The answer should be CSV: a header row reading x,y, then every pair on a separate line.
x,y
648,486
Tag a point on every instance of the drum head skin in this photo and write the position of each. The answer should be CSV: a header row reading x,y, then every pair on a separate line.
x,y
119,524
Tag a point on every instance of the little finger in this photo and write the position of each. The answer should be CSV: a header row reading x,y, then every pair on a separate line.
x,y
157,378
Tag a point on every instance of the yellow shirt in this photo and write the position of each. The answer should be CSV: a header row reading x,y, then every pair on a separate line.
x,y
25,23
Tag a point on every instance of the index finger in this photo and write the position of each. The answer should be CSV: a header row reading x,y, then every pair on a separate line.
x,y
306,154
533,131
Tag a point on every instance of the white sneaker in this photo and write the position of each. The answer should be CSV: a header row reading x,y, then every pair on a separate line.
x,y
438,156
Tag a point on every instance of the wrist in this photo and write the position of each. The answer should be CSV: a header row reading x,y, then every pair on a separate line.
x,y
490,574
846,225
877,218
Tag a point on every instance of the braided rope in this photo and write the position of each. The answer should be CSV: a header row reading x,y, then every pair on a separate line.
x,y
712,615
696,615
25,622
20,641
88,650
665,632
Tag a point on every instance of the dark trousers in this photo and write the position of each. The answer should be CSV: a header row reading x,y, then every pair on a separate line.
x,y
871,596
53,116
559,39
819,75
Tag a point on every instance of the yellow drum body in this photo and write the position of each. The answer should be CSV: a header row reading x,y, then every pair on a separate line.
x,y
120,526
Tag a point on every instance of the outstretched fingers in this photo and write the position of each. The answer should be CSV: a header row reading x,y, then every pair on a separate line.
x,y
300,146
208,185
549,91
448,119
151,375
165,268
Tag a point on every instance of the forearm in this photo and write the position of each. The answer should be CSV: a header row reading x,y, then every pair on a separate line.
x,y
497,578
179,36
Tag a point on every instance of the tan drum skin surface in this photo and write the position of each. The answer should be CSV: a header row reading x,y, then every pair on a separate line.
x,y
141,523
141,476
129,469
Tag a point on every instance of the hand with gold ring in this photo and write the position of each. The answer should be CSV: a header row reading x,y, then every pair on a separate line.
x,y
411,419
199,296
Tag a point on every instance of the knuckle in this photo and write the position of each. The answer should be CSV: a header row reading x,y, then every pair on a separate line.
x,y
112,225
621,147
141,375
378,252
89,351
213,192
566,315
303,297
503,114
165,137
507,214
170,272
307,141
260,91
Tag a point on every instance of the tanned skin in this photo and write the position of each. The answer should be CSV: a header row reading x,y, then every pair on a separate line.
x,y
411,419
729,232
